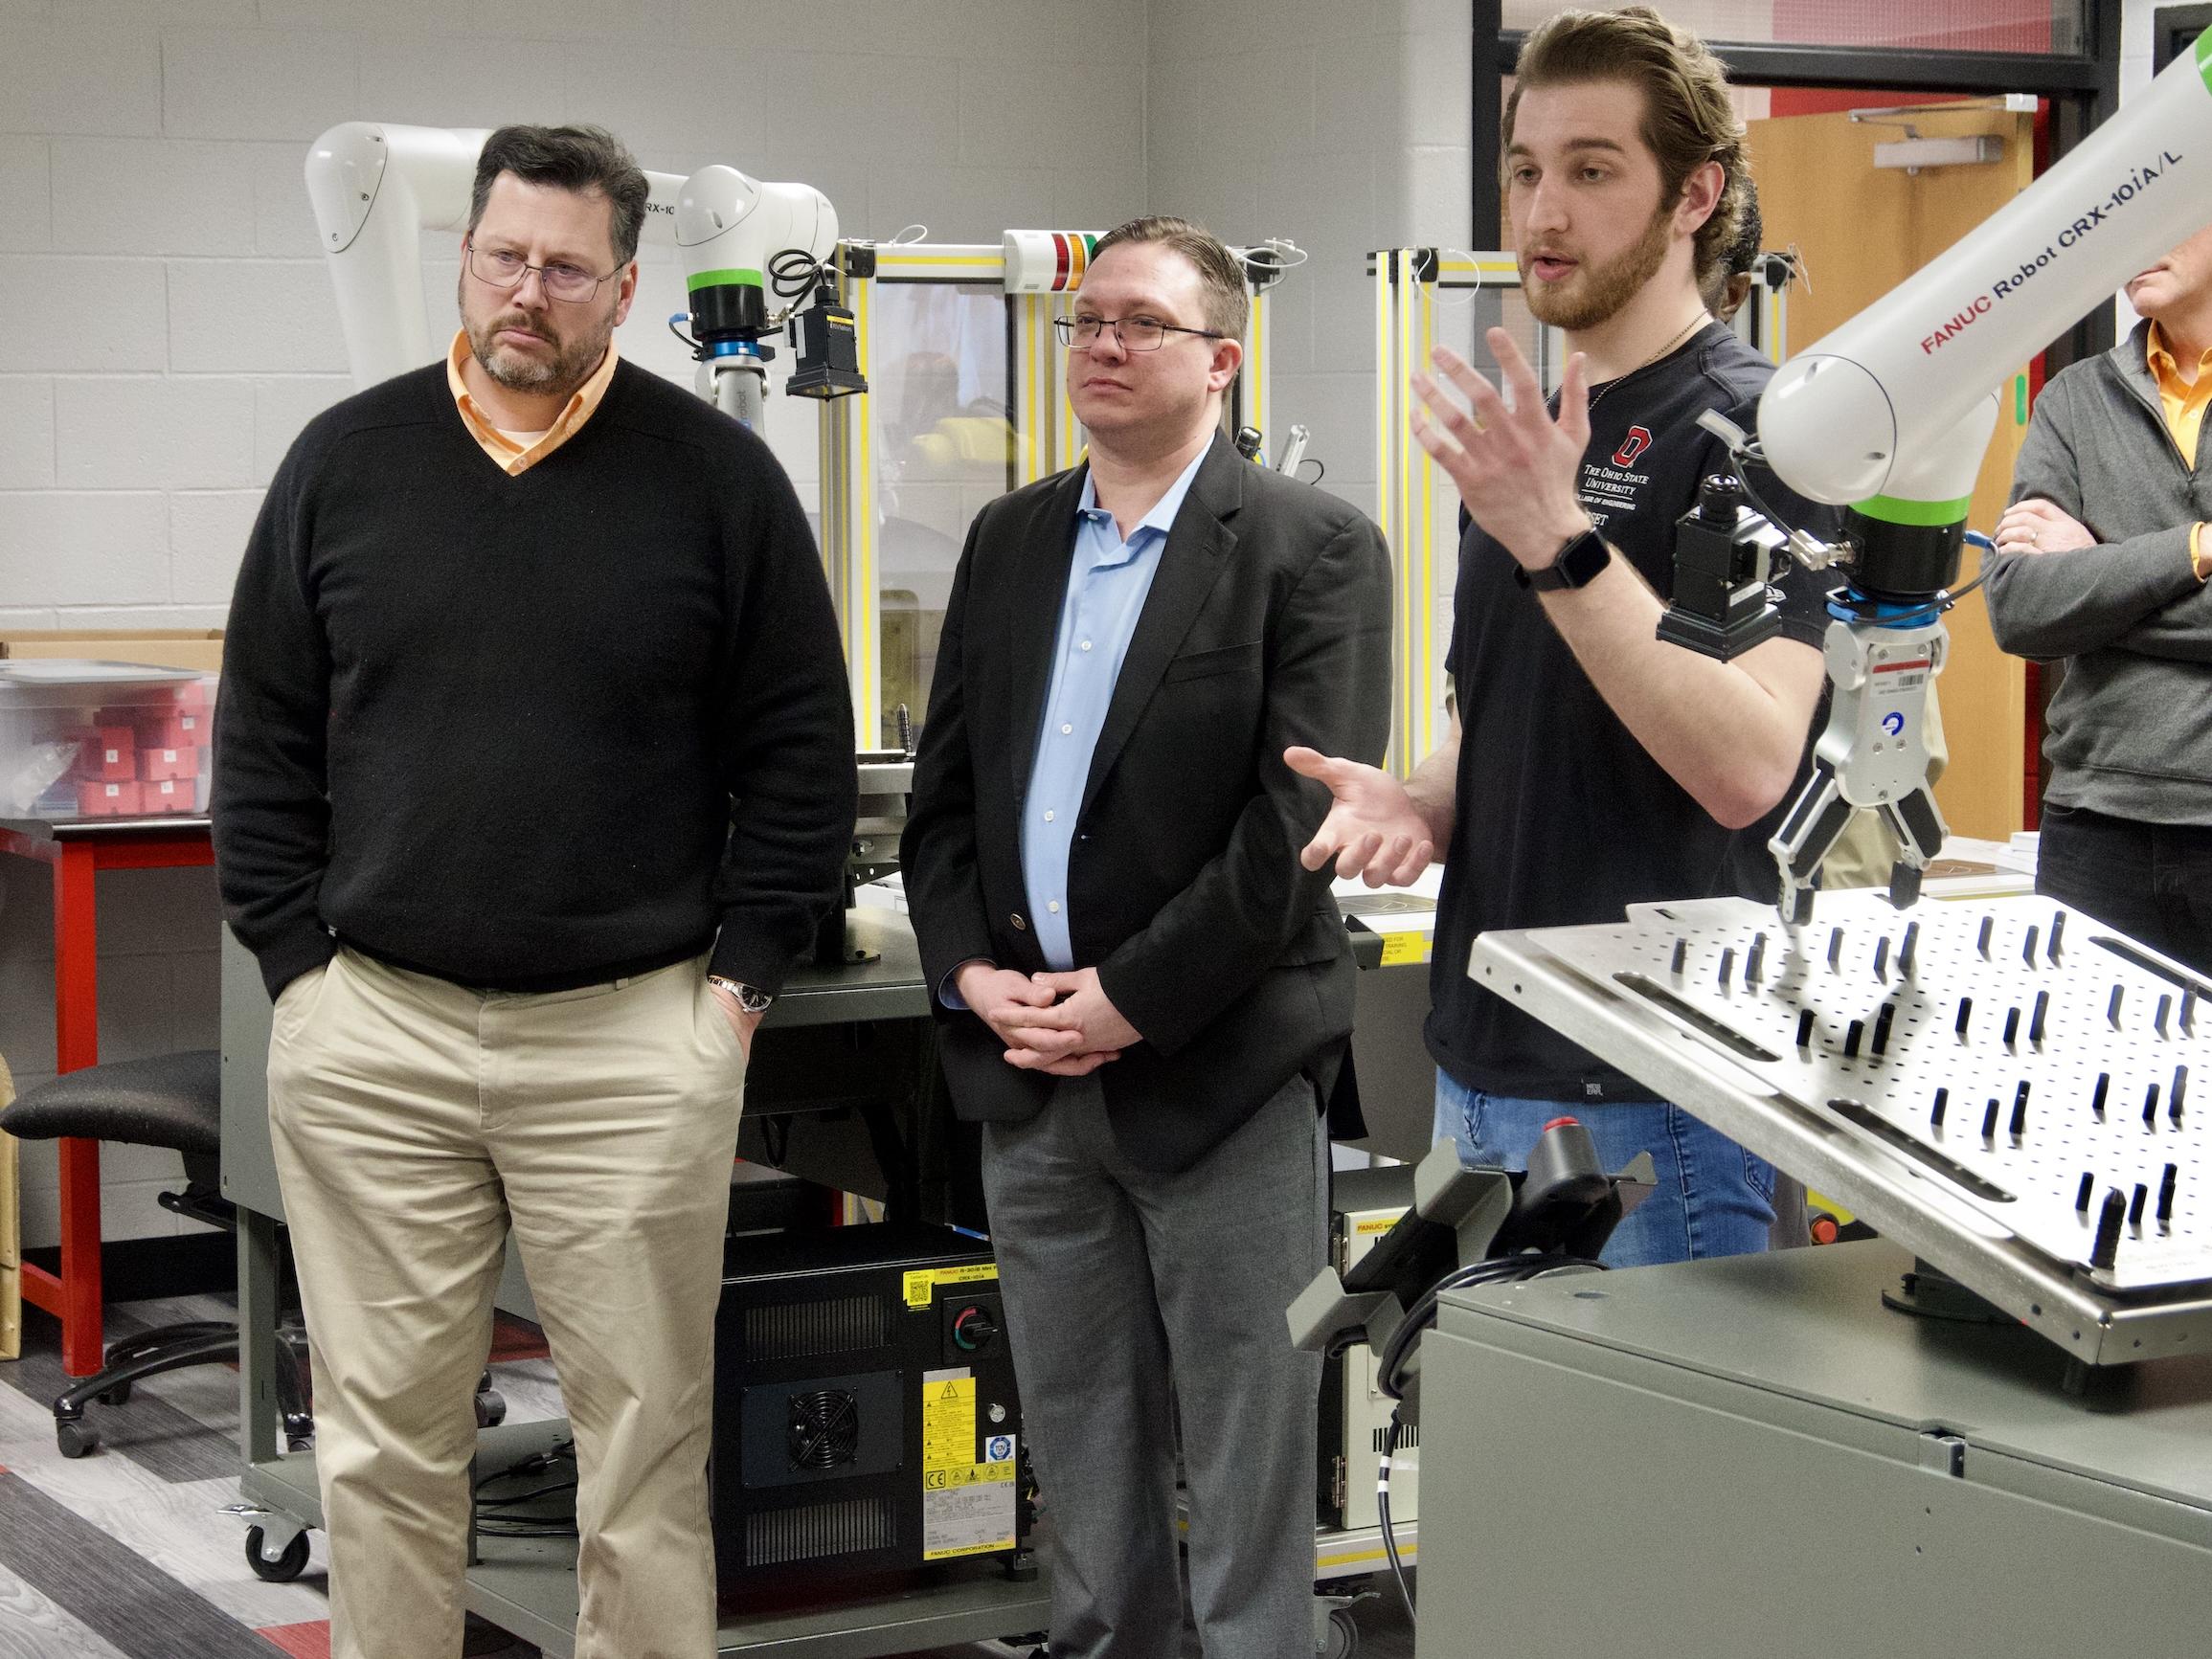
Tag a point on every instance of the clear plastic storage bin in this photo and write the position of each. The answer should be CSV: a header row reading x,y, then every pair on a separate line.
x,y
83,739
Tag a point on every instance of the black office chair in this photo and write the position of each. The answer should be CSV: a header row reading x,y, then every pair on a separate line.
x,y
174,1100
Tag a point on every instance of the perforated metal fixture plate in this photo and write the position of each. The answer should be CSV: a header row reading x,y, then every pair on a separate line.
x,y
1973,1085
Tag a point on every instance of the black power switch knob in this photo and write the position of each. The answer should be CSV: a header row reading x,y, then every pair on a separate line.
x,y
975,1328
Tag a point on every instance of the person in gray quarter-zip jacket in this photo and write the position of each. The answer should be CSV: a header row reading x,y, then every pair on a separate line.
x,y
2101,562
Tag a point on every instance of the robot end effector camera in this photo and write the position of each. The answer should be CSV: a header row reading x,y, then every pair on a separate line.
x,y
1723,603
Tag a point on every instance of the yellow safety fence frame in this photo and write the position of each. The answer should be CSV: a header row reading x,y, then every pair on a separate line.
x,y
1413,512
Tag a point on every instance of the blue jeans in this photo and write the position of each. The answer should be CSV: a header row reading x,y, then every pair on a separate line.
x,y
1713,1198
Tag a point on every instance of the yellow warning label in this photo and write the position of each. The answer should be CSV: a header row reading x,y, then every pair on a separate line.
x,y
967,1506
972,1474
1399,948
922,1282
948,1422
1378,1225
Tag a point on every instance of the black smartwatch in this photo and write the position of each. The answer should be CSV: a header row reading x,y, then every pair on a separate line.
x,y
1577,565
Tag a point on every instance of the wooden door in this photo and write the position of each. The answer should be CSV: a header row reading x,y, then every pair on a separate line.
x,y
1862,230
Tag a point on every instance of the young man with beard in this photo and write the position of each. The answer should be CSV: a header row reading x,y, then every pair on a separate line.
x,y
534,774
1145,998
2102,563
1590,766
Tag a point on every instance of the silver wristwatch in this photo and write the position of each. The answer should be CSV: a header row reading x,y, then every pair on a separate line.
x,y
749,999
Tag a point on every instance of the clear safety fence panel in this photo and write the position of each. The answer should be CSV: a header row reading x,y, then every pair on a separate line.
x,y
939,441
1425,298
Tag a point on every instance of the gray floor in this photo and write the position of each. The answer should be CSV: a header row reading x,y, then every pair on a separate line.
x,y
126,1553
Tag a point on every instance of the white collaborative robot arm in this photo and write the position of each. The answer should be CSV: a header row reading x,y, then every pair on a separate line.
x,y
375,187
739,237
1889,416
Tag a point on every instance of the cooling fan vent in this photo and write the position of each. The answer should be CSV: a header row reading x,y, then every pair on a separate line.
x,y
824,1428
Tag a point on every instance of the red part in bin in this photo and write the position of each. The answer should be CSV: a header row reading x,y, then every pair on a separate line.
x,y
172,728
108,798
168,794
110,754
156,764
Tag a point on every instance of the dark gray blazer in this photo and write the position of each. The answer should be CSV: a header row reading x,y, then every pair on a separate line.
x,y
1268,624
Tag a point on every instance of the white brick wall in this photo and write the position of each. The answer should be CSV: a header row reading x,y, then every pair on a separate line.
x,y
25,203
149,431
1345,127
27,423
167,326
71,315
82,550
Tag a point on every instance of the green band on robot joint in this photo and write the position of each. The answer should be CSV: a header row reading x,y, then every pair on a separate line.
x,y
736,275
2204,56
1894,510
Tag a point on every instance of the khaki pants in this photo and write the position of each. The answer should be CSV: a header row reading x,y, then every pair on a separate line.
x,y
415,1123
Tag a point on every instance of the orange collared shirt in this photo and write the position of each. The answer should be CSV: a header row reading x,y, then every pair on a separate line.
x,y
516,455
2184,401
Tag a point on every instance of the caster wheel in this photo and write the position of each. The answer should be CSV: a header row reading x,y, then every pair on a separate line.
x,y
286,1566
76,1439
118,1395
1341,1640
490,1408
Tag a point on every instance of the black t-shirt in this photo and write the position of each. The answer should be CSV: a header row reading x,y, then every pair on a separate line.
x,y
1563,817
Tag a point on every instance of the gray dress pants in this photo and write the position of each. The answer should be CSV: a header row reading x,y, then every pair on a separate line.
x,y
1118,1279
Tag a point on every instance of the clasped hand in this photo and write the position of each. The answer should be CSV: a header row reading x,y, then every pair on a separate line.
x,y
1063,1024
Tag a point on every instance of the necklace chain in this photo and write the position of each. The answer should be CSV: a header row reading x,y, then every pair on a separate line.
x,y
1695,323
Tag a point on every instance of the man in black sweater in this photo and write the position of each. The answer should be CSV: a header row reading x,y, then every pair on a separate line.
x,y
534,776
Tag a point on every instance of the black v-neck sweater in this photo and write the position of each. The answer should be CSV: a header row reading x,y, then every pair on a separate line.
x,y
535,732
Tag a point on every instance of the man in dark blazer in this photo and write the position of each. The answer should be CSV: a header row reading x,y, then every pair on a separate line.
x,y
1144,1000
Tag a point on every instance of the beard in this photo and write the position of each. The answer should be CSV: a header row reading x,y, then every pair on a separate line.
x,y
575,354
1596,293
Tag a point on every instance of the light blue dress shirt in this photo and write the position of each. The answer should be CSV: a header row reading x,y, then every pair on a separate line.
x,y
1107,584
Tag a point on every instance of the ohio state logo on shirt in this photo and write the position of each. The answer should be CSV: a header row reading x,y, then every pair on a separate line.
x,y
1637,440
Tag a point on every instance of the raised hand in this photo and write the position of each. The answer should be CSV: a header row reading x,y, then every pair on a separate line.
x,y
1516,467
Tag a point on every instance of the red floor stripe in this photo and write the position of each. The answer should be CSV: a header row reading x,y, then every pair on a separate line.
x,y
309,1640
